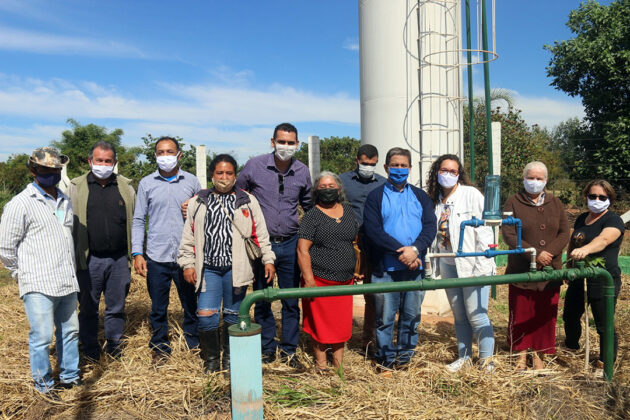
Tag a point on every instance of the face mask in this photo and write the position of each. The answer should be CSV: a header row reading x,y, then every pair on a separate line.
x,y
223,185
398,175
285,152
447,180
167,163
365,171
597,206
328,195
48,180
534,186
102,171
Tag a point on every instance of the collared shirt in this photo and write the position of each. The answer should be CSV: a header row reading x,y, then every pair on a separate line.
x,y
161,200
357,190
36,243
106,217
402,220
278,194
538,202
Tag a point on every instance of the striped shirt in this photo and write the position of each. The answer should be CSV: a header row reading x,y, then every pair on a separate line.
x,y
36,243
217,248
161,200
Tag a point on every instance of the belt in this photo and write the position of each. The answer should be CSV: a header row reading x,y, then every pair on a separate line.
x,y
278,239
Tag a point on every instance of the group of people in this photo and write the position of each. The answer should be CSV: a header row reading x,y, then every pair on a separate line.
x,y
213,243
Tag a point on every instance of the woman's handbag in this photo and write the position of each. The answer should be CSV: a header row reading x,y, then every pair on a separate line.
x,y
251,248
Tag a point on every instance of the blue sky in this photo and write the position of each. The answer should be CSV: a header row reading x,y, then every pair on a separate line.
x,y
223,73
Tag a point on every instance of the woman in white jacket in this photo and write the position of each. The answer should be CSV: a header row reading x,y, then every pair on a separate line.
x,y
456,200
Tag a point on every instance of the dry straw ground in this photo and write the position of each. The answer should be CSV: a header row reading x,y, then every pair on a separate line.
x,y
132,388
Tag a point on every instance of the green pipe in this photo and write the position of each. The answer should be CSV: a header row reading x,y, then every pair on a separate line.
x,y
486,82
271,294
471,117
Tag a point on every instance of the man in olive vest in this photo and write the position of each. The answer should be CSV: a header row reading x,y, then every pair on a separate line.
x,y
103,205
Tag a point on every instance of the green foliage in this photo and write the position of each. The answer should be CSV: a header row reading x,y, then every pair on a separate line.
x,y
14,174
78,141
337,154
595,65
302,396
520,144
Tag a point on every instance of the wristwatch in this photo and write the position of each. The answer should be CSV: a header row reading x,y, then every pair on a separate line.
x,y
415,249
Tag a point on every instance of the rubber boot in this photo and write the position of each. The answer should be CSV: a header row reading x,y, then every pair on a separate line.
x,y
210,350
226,349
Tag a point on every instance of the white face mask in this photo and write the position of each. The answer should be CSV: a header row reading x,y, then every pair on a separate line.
x,y
285,152
167,163
533,186
365,171
102,171
597,206
447,180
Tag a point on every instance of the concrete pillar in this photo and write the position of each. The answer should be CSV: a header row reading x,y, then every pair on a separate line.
x,y
313,156
201,166
496,148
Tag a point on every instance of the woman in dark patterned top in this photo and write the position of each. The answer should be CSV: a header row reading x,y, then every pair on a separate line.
x,y
326,258
597,233
213,255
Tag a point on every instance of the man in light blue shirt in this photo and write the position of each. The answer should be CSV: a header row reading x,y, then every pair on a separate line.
x,y
163,196
399,225
36,247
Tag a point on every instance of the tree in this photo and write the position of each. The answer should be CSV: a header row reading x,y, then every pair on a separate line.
x,y
78,141
337,154
520,144
595,65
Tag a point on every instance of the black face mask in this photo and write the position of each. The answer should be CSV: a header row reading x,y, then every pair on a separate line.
x,y
327,195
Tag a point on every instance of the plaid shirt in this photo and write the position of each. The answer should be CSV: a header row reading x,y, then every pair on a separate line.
x,y
36,243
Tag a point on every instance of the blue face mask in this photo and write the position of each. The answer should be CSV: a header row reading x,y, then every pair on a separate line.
x,y
398,175
48,180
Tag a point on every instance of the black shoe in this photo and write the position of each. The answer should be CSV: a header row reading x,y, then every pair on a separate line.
x,y
159,358
210,344
268,358
225,361
292,361
71,384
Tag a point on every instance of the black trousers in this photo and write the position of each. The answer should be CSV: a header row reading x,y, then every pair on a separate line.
x,y
574,309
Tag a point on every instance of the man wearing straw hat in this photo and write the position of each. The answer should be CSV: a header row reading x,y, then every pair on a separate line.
x,y
36,247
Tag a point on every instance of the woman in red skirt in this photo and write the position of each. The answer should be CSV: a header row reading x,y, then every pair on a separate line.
x,y
326,258
534,306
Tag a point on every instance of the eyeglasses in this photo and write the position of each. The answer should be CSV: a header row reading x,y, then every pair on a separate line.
x,y
453,172
595,196
281,183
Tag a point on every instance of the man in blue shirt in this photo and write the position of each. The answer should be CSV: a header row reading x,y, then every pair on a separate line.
x,y
163,196
357,185
399,226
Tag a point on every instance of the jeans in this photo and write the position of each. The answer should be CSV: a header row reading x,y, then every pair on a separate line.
x,y
159,277
288,276
470,310
44,312
574,309
109,276
386,306
219,287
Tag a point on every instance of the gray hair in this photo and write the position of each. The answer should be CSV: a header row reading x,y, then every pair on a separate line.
x,y
323,174
535,165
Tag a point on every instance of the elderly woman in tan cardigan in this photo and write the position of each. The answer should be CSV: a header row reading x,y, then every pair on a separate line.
x,y
534,306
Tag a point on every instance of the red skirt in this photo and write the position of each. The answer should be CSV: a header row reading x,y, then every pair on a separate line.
x,y
532,323
328,319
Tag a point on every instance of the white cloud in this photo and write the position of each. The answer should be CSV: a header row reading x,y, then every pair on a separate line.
x,y
48,43
351,44
548,112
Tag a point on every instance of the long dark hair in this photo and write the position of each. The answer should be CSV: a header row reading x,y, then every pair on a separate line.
x,y
434,189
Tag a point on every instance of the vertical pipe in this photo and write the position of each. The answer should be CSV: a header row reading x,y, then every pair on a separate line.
x,y
486,82
246,372
609,328
471,119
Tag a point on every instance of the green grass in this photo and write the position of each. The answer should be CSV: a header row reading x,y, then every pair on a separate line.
x,y
5,277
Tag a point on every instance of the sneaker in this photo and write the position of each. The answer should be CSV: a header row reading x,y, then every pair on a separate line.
x,y
71,384
488,368
268,358
292,361
458,364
